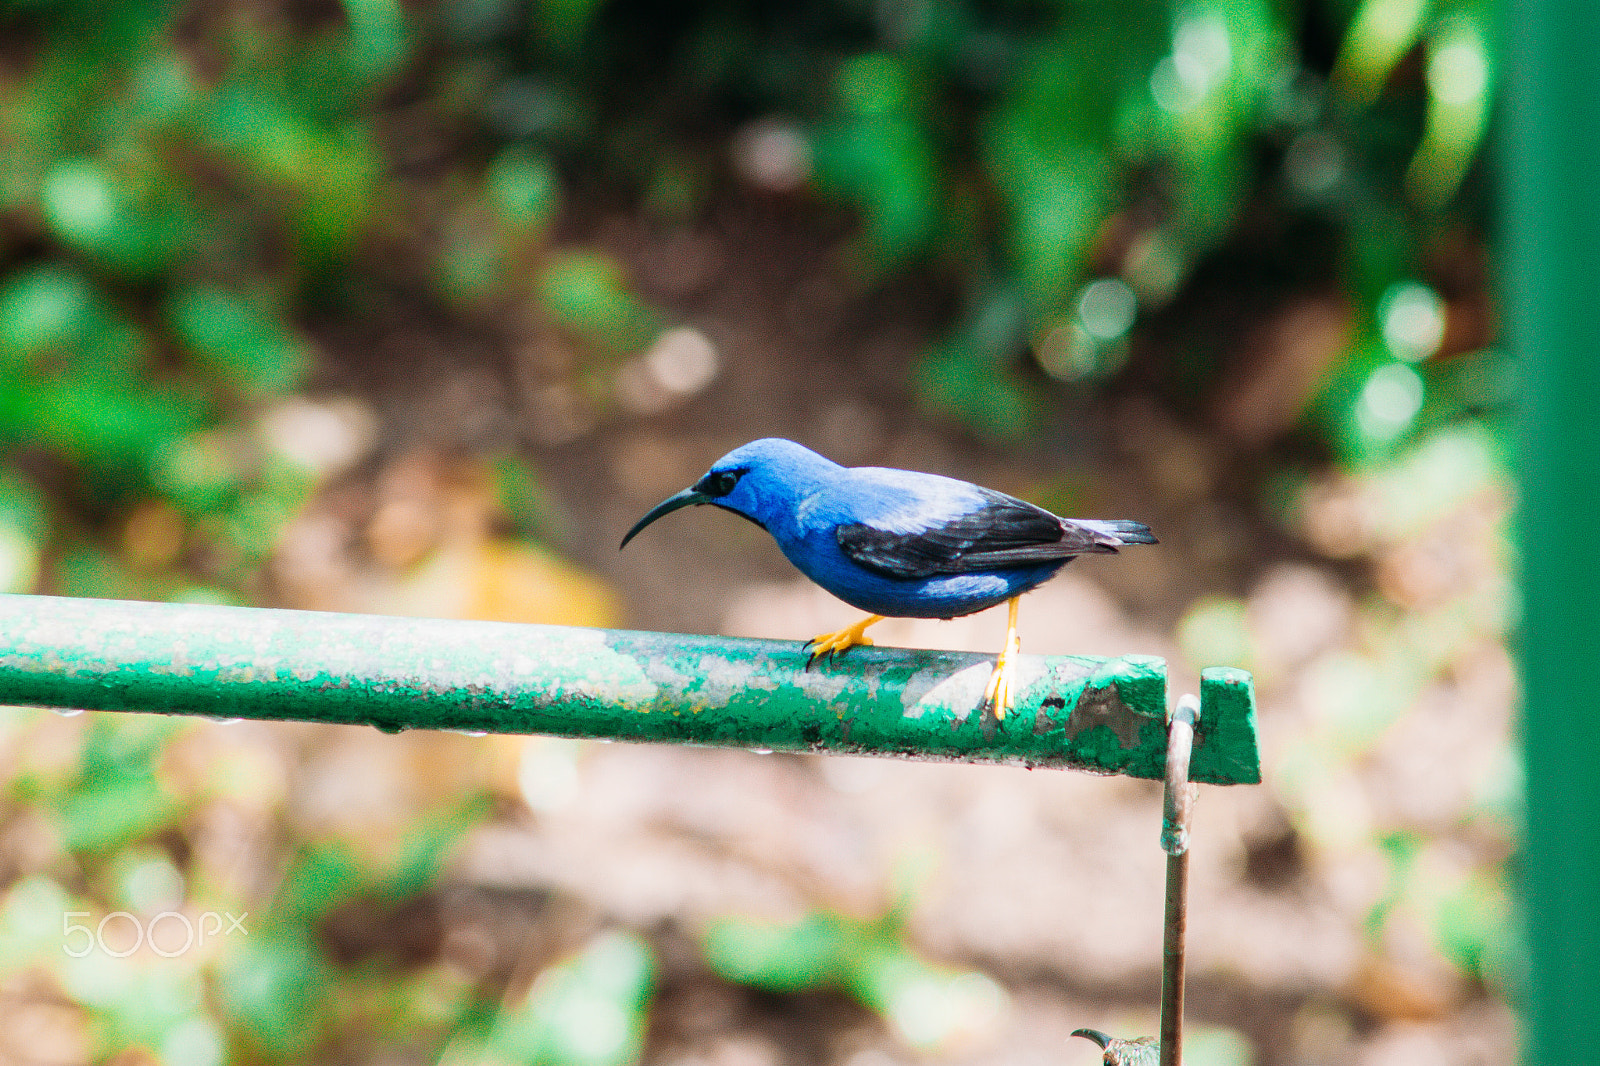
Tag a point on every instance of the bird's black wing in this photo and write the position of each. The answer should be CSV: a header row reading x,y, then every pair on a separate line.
x,y
1002,532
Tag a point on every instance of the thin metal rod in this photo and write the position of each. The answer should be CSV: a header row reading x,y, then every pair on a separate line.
x,y
406,673
1178,802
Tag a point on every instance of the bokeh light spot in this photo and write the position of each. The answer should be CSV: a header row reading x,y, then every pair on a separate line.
x,y
1107,308
1411,316
1458,73
1389,401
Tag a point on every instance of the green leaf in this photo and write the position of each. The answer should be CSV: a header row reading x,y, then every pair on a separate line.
x,y
328,177
23,528
104,424
87,571
428,844
868,959
275,986
885,165
585,292
201,471
523,498
1476,928
1381,33
563,23
1459,75
524,188
1059,187
876,83
814,953
90,208
43,308
378,35
588,1010
959,379
250,349
322,877
81,204
110,808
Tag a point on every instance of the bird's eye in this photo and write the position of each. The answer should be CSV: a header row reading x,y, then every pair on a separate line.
x,y
719,482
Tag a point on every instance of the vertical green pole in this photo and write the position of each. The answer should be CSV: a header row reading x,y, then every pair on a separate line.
x,y
1552,254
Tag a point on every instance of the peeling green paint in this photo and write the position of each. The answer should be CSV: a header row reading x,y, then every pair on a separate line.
x,y
1105,715
1225,747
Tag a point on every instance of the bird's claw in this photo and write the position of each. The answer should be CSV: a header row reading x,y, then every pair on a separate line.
x,y
997,696
827,645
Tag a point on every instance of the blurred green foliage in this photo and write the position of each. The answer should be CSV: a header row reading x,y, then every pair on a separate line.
x,y
868,959
585,1010
1030,152
186,195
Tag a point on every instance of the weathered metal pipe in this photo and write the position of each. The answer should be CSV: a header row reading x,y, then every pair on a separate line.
x,y
1105,715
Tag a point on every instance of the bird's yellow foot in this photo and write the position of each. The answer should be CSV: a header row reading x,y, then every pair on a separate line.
x,y
997,695
828,645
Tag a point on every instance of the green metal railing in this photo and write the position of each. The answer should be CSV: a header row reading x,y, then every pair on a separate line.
x,y
1552,246
1105,715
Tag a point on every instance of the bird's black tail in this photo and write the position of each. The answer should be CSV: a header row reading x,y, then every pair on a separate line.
x,y
1124,530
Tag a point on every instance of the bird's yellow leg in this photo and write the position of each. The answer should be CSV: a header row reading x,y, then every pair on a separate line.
x,y
998,694
829,644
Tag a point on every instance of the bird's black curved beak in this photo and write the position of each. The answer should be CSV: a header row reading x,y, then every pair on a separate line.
x,y
686,498
1093,1034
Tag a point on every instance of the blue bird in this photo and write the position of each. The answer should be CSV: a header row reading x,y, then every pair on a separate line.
x,y
896,543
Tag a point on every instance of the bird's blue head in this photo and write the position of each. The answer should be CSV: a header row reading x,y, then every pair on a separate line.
x,y
761,481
